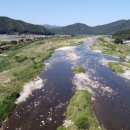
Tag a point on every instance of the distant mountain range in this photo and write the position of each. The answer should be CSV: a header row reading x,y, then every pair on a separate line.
x,y
11,26
82,29
51,26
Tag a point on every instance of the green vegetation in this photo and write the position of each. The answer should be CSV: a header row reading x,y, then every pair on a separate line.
x,y
116,67
11,26
111,49
22,64
80,112
119,36
78,69
82,29
15,44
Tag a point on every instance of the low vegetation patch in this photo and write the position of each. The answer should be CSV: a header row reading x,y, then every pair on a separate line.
x,y
78,70
80,112
116,67
112,49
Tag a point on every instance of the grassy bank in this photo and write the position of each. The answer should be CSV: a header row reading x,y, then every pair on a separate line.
x,y
116,67
80,113
22,64
112,49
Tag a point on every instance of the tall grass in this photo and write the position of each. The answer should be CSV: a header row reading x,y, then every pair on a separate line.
x,y
80,112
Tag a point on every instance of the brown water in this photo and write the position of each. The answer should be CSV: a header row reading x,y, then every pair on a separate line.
x,y
44,110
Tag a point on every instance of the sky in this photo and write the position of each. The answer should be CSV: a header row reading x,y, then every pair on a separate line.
x,y
65,12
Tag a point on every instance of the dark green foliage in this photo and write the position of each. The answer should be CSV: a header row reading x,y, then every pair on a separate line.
x,y
13,42
20,58
124,34
7,105
11,26
118,41
82,122
119,36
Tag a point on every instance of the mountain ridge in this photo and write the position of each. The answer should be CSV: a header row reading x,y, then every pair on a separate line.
x,y
80,28
12,26
48,26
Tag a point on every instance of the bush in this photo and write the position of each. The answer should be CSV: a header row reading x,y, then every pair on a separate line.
x,y
7,105
118,41
13,42
82,123
20,58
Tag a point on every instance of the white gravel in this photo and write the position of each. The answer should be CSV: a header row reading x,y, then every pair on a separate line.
x,y
28,88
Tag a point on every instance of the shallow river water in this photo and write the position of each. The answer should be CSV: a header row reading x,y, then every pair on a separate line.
x,y
44,109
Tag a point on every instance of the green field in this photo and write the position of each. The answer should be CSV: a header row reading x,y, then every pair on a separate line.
x,y
80,112
21,63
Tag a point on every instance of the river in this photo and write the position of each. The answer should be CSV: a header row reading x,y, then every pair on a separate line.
x,y
44,109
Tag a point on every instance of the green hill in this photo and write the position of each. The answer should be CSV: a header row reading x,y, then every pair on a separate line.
x,y
74,29
82,29
11,26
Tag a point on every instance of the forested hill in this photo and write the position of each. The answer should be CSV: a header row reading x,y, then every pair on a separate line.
x,y
74,29
82,29
11,26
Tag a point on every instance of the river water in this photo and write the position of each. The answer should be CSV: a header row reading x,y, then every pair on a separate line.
x,y
44,110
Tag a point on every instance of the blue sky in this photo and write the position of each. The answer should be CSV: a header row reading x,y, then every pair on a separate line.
x,y
64,12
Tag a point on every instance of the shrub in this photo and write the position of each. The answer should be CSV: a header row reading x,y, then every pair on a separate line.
x,y
82,123
13,42
20,58
7,105
118,41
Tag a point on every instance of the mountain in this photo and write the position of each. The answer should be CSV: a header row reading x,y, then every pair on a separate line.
x,y
82,29
51,26
112,27
11,26
74,29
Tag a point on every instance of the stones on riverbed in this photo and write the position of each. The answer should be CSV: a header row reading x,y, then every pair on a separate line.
x,y
43,122
36,103
41,116
67,123
37,83
49,119
85,82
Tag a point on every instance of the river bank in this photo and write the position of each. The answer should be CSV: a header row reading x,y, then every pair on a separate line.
x,y
117,51
22,65
46,108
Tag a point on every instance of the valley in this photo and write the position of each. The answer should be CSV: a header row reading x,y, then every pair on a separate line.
x,y
70,75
